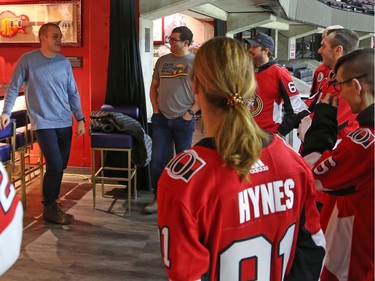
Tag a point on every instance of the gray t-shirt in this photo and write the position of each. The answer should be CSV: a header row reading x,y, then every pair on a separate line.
x,y
175,94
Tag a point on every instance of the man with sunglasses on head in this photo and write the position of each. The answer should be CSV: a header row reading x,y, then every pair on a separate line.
x,y
173,105
346,168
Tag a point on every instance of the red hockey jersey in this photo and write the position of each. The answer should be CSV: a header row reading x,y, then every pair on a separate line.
x,y
321,73
215,227
346,119
11,215
348,172
277,105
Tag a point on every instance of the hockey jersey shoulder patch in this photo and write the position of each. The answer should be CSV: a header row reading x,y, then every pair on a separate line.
x,y
185,165
362,136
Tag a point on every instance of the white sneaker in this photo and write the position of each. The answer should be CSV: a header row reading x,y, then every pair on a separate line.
x,y
151,208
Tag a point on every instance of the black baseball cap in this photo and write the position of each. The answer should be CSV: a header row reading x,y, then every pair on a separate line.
x,y
263,40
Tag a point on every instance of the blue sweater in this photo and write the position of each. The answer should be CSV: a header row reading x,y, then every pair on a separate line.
x,y
50,90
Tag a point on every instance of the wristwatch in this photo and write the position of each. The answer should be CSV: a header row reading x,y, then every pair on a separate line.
x,y
83,119
191,112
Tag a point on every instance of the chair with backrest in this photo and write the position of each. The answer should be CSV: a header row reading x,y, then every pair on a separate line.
x,y
7,147
20,150
114,142
24,142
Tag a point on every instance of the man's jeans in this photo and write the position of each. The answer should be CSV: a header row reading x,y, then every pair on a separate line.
x,y
164,131
55,146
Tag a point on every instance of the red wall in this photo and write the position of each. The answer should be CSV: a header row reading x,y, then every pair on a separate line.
x,y
90,79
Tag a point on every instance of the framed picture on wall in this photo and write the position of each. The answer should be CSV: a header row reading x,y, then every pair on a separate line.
x,y
158,31
20,21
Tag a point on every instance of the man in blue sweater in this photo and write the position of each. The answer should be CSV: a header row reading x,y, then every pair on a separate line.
x,y
51,98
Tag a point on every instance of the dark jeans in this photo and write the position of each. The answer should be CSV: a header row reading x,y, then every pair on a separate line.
x,y
164,131
55,145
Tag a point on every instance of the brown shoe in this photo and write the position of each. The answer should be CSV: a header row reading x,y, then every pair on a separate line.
x,y
151,208
52,213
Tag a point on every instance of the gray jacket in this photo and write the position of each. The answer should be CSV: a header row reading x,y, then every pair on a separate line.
x,y
104,121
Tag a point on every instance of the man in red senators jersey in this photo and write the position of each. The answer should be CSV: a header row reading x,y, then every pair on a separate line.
x,y
240,204
334,45
321,73
277,105
11,215
347,169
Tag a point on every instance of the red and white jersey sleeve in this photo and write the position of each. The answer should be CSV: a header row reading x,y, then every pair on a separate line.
x,y
213,225
345,118
348,170
11,215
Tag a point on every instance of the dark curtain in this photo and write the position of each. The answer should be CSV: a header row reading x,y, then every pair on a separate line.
x,y
220,27
124,78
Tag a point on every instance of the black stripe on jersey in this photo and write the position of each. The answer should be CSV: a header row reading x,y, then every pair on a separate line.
x,y
210,143
342,192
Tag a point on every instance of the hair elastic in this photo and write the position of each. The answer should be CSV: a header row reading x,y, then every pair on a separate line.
x,y
234,99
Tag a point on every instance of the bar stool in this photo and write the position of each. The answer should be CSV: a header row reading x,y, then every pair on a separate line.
x,y
114,142
24,141
25,135
7,136
20,150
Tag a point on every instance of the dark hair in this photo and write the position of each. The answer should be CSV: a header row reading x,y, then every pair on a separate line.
x,y
344,37
358,62
185,33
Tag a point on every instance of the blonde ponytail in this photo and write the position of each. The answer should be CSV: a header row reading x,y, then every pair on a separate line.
x,y
225,70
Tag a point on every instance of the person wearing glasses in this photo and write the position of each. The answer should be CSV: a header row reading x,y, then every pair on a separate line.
x,y
52,99
240,204
346,168
173,105
334,45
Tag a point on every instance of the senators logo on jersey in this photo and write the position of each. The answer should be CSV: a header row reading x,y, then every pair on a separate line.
x,y
255,105
362,136
185,165
320,76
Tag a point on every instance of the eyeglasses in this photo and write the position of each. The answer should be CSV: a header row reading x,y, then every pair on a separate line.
x,y
174,40
337,84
